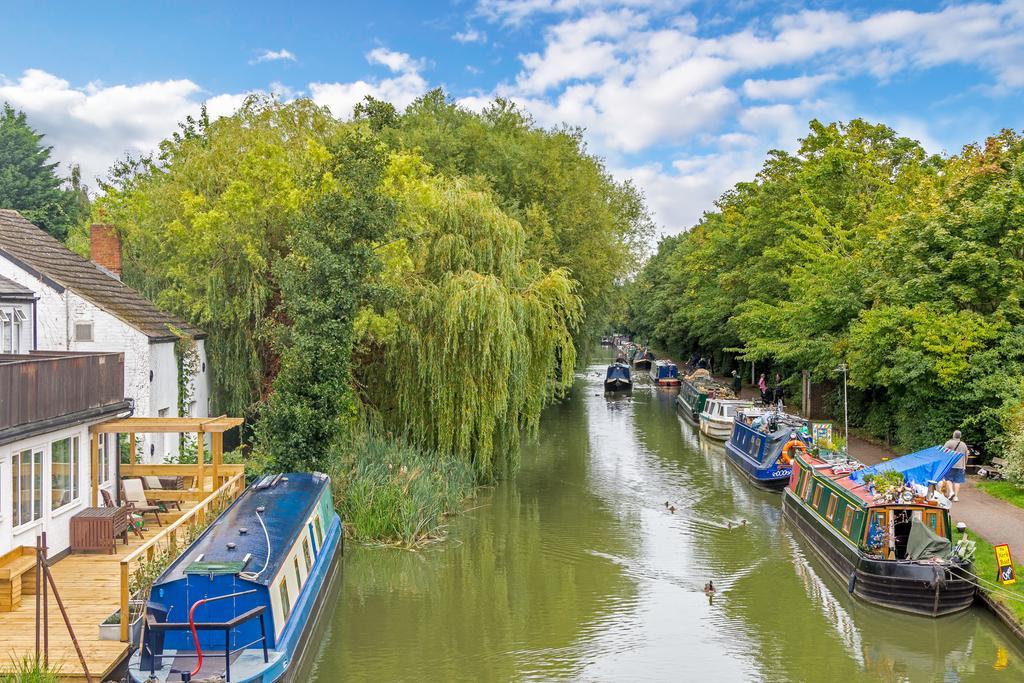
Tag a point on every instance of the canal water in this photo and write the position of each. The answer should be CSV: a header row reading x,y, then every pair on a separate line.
x,y
576,570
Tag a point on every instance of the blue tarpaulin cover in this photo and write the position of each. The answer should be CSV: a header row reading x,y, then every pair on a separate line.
x,y
931,464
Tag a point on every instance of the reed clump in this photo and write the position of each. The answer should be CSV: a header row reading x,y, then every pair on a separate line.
x,y
29,669
393,493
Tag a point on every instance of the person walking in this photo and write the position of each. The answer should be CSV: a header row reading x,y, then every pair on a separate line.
x,y
762,384
737,383
958,472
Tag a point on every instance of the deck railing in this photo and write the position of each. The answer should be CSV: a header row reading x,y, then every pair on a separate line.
x,y
141,567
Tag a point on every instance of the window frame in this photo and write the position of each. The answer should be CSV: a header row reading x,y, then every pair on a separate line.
x,y
833,503
848,516
35,495
6,330
286,603
74,465
85,324
319,530
818,488
306,554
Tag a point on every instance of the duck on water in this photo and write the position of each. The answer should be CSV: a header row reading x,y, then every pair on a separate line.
x,y
244,600
892,547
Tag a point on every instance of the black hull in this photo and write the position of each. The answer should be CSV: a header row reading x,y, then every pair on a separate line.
x,y
926,590
618,385
641,365
309,642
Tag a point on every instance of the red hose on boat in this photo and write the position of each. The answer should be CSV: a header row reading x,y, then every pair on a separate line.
x,y
195,636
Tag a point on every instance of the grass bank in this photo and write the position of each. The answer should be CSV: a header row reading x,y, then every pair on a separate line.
x,y
985,568
392,493
30,670
1006,490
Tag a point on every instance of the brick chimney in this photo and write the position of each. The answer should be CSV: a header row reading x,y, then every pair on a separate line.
x,y
105,248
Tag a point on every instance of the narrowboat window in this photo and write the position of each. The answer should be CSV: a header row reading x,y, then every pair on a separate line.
x,y
832,502
801,481
848,520
805,493
305,553
286,605
931,519
319,531
298,574
817,496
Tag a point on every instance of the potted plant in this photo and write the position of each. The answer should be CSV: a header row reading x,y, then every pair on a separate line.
x,y
110,628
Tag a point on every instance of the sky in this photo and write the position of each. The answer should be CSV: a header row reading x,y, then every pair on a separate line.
x,y
683,98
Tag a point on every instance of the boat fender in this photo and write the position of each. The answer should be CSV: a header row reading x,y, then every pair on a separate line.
x,y
852,582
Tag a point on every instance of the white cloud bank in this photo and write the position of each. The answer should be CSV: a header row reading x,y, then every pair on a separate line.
x,y
275,56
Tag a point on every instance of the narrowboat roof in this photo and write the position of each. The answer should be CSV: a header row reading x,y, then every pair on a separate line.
x,y
930,464
839,474
287,501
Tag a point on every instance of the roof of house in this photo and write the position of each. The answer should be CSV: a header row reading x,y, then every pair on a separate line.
x,y
12,290
39,253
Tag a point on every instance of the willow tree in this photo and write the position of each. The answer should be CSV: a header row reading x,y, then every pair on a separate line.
x,y
478,336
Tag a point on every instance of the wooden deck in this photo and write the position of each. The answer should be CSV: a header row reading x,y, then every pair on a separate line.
x,y
90,587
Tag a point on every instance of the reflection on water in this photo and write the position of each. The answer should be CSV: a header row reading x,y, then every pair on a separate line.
x,y
577,569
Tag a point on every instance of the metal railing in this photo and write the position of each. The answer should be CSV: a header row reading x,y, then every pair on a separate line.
x,y
141,567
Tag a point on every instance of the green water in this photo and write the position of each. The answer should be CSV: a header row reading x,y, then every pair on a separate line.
x,y
576,570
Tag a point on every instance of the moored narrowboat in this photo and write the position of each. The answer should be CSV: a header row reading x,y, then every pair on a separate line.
x,y
762,445
618,378
664,373
718,417
894,548
643,360
243,601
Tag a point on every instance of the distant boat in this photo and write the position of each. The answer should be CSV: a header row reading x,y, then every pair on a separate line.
x,y
644,360
757,446
258,578
617,377
718,417
665,373
895,550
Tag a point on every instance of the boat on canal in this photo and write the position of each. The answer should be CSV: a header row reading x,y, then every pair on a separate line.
x,y
643,360
618,378
719,415
244,602
762,445
893,548
664,373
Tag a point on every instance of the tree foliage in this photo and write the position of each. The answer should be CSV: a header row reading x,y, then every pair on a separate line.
x,y
860,248
29,180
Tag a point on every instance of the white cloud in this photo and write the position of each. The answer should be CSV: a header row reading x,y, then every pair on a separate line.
x,y
274,56
785,89
400,90
399,62
470,35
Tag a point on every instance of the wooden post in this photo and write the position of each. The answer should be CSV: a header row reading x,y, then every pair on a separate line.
x,y
218,454
131,448
200,474
95,442
124,602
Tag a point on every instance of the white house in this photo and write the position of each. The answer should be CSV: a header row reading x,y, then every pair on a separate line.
x,y
47,404
17,317
81,305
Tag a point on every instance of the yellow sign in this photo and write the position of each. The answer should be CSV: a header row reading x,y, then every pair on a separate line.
x,y
1004,564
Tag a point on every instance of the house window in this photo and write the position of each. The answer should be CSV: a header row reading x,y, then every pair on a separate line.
x,y
6,332
19,319
305,553
833,501
286,604
83,331
104,460
847,520
817,496
63,472
25,478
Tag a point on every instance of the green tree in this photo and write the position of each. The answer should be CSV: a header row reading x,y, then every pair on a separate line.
x,y
29,182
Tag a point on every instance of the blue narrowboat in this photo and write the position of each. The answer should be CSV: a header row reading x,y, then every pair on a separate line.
x,y
664,372
618,378
758,442
244,600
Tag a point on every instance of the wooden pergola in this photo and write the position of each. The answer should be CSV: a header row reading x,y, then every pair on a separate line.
x,y
214,426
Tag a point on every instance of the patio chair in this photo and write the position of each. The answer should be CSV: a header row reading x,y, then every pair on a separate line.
x,y
136,497
164,484
108,501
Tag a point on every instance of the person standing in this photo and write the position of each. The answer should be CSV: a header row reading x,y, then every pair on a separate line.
x,y
958,473
777,390
737,383
762,384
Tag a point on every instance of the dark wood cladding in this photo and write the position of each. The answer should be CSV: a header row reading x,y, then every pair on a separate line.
x,y
35,388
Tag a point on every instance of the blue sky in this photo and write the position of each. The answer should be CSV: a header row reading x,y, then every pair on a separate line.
x,y
684,98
